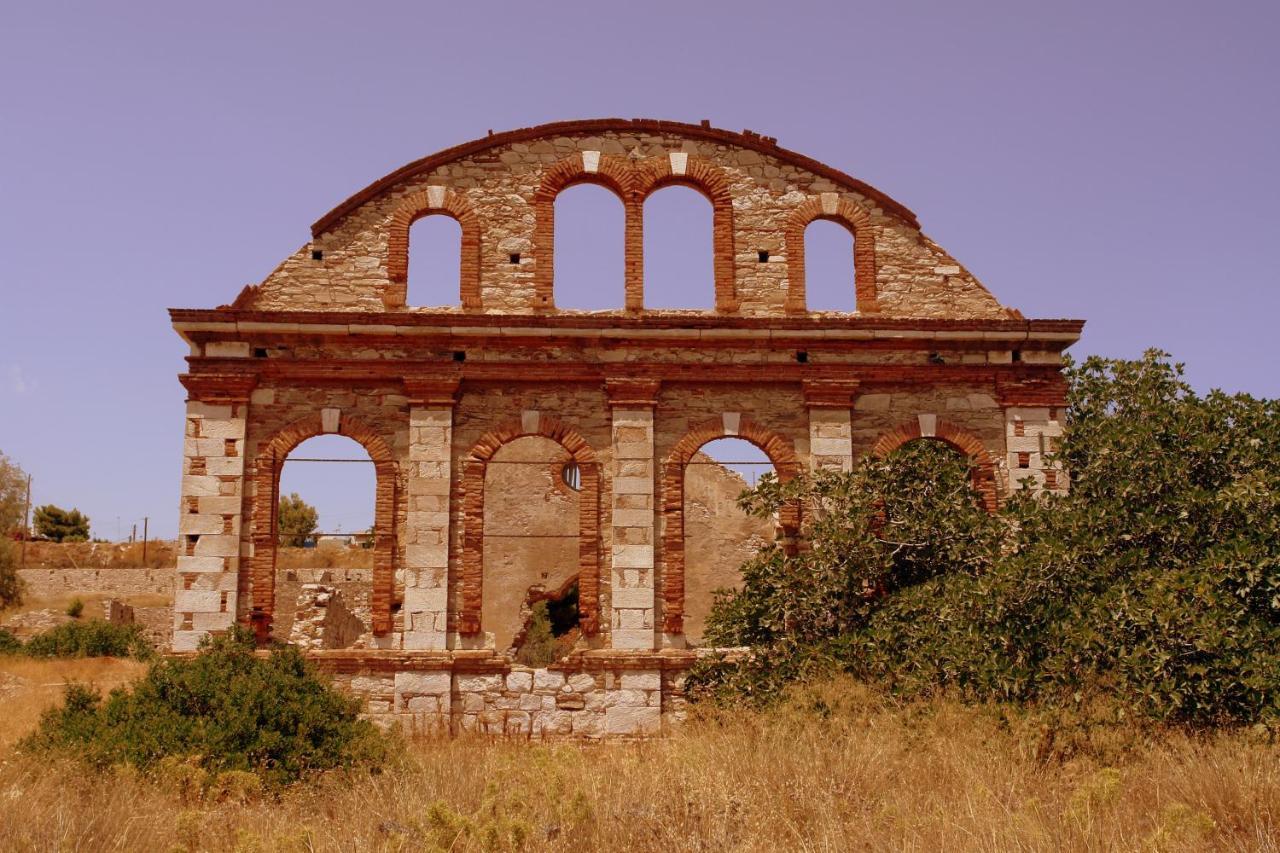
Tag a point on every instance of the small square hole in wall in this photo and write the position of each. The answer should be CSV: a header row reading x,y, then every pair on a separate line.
x,y
459,355
802,357
515,257
260,352
764,256
317,254
192,539
1017,355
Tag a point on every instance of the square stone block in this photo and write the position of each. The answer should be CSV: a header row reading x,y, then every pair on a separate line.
x,y
632,720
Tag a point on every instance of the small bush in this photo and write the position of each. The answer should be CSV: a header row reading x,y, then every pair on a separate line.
x,y
9,644
225,709
91,639
76,608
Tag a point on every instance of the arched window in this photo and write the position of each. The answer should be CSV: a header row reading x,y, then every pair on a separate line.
x,y
589,249
531,541
718,534
679,257
334,476
829,269
435,247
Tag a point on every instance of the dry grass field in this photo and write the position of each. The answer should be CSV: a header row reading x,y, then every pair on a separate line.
x,y
838,769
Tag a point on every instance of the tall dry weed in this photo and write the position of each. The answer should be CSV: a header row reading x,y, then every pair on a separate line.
x,y
837,768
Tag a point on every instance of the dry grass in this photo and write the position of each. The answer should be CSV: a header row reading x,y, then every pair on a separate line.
x,y
28,686
326,556
161,553
856,774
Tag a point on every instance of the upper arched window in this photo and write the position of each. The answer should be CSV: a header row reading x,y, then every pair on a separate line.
x,y
589,249
830,281
679,254
435,247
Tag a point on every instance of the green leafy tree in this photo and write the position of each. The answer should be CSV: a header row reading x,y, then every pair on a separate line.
x,y
13,496
61,525
297,520
1154,582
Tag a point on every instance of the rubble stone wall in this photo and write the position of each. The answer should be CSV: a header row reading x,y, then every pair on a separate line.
x,y
498,192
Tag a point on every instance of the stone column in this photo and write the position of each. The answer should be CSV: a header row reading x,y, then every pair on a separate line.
x,y
830,402
632,402
205,594
426,528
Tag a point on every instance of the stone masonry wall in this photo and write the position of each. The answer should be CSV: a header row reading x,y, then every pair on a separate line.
x,y
469,411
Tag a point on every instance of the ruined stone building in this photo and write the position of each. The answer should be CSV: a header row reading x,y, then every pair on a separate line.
x,y
597,414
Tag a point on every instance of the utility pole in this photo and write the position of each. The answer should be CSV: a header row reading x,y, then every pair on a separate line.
x,y
145,519
133,533
26,527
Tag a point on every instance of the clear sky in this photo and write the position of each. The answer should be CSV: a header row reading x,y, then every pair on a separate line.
x,y
1110,161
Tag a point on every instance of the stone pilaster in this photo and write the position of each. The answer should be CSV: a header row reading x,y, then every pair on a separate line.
x,y
830,430
1034,409
205,594
632,587
426,529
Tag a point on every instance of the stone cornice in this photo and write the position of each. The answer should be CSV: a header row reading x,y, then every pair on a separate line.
x,y
219,387
439,391
633,392
1031,390
829,393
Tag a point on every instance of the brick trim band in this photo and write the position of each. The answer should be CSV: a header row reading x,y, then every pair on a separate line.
x,y
434,200
472,581
983,467
830,207
263,517
781,453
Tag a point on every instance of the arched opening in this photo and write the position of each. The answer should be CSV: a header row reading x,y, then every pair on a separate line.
x,y
719,536
679,253
829,267
435,248
589,237
324,541
532,503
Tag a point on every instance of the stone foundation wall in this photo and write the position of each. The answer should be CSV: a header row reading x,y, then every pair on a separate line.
x,y
588,696
48,583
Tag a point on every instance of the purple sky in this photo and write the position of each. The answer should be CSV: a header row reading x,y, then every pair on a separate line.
x,y
1110,161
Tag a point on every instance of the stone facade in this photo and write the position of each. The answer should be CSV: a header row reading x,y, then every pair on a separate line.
x,y
443,396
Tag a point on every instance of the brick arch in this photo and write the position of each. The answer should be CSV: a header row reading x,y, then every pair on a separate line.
x,y
781,453
833,208
429,202
608,171
982,466
477,462
263,519
685,170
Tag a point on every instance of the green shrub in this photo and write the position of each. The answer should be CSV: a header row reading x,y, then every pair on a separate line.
x,y
224,709
91,639
11,583
1155,582
76,608
9,644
